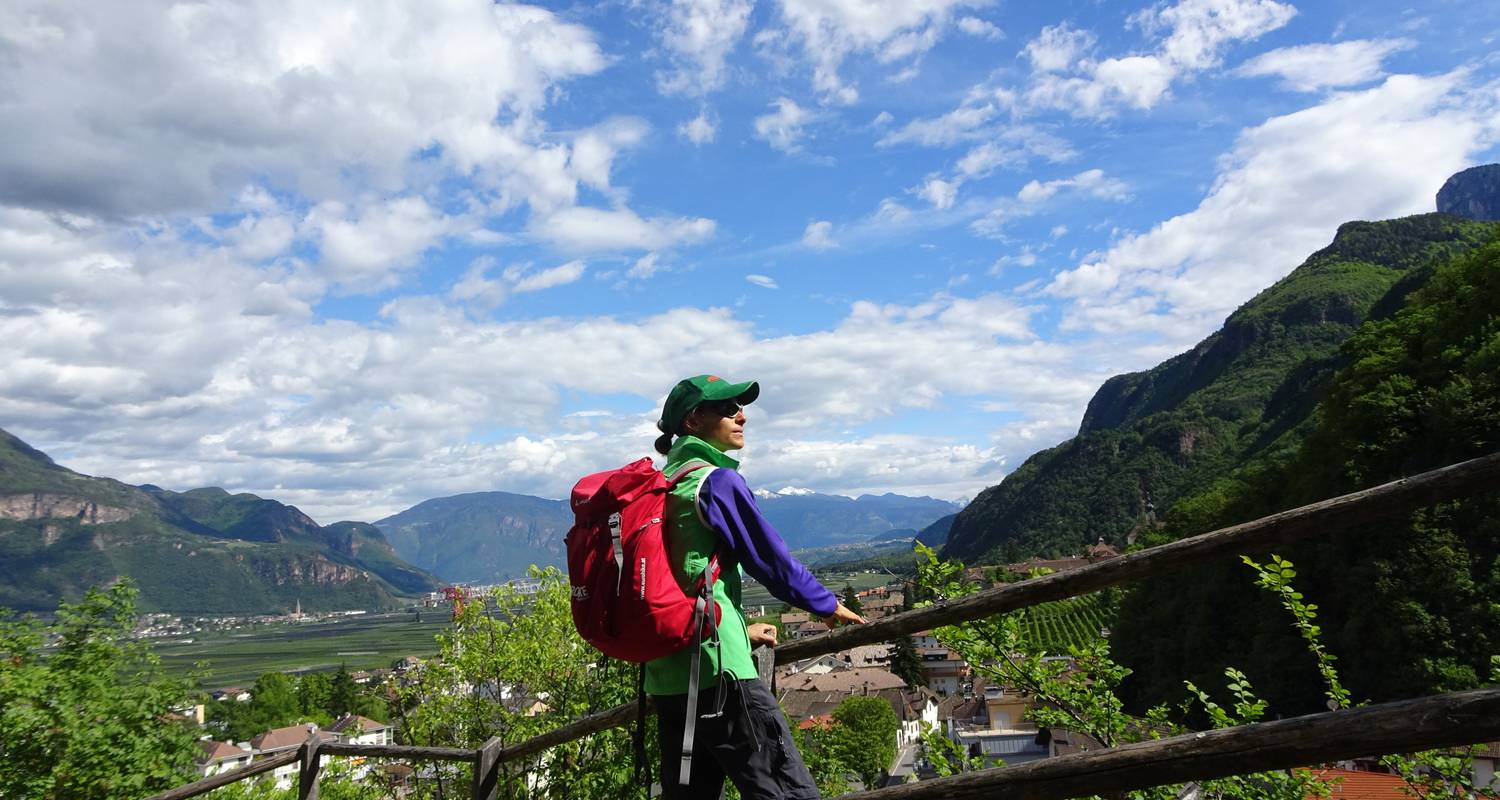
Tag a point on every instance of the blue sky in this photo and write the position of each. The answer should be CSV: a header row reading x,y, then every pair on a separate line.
x,y
355,255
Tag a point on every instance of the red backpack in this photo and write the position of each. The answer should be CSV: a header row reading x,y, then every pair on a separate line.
x,y
626,600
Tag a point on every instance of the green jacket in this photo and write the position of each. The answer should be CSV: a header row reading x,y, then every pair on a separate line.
x,y
690,543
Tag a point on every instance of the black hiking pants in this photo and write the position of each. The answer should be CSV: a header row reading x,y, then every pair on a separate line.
x,y
749,743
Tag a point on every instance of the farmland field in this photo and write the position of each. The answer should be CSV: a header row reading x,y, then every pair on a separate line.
x,y
756,595
363,642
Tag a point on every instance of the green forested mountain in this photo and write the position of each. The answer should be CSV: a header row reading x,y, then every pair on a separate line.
x,y
1409,606
204,550
480,537
1244,393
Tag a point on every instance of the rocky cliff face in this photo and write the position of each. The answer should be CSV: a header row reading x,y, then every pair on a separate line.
x,y
315,571
41,505
1473,193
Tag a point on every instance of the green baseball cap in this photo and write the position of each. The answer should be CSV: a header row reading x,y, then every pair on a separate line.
x,y
689,392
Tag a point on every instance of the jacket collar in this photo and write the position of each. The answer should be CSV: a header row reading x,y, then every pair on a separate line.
x,y
691,448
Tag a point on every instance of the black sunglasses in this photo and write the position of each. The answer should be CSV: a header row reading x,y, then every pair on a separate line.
x,y
723,408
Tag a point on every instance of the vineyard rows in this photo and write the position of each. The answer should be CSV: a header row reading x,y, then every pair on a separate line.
x,y
1075,621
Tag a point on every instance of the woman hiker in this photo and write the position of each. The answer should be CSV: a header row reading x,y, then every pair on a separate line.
x,y
739,730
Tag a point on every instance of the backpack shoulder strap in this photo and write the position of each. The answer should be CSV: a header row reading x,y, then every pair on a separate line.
x,y
685,470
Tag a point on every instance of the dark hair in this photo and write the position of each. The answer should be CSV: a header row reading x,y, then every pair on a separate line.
x,y
663,443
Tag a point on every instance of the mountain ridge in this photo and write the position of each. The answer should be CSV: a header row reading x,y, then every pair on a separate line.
x,y
1154,436
204,550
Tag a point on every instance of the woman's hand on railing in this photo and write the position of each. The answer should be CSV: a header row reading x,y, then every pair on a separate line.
x,y
761,633
843,615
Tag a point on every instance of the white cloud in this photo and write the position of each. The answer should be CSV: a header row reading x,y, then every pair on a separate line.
x,y
1199,29
644,267
957,125
478,287
830,31
699,130
1093,182
699,35
819,235
547,278
1311,67
593,153
1197,32
588,229
939,193
974,26
1278,198
363,251
763,281
784,128
1058,47
136,110
148,373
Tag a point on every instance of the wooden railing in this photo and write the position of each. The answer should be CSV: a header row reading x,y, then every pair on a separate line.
x,y
1423,723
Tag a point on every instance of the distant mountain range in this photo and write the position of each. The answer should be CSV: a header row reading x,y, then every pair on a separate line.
x,y
210,551
201,551
490,536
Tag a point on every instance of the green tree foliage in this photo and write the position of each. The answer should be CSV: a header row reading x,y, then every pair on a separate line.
x,y
824,759
343,697
864,737
851,600
494,668
315,692
93,717
1417,599
906,663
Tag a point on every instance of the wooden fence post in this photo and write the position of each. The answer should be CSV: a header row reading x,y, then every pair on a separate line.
x,y
765,664
307,770
487,771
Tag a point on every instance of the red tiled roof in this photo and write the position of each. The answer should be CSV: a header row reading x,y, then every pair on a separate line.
x,y
1348,784
824,721
854,680
219,751
282,738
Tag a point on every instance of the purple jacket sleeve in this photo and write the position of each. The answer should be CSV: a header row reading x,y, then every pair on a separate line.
x,y
730,509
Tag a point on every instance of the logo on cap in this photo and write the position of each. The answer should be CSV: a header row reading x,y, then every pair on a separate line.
x,y
712,378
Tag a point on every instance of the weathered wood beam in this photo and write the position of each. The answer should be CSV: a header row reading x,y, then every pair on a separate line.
x,y
1446,720
486,781
397,751
616,717
225,778
307,770
1309,521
